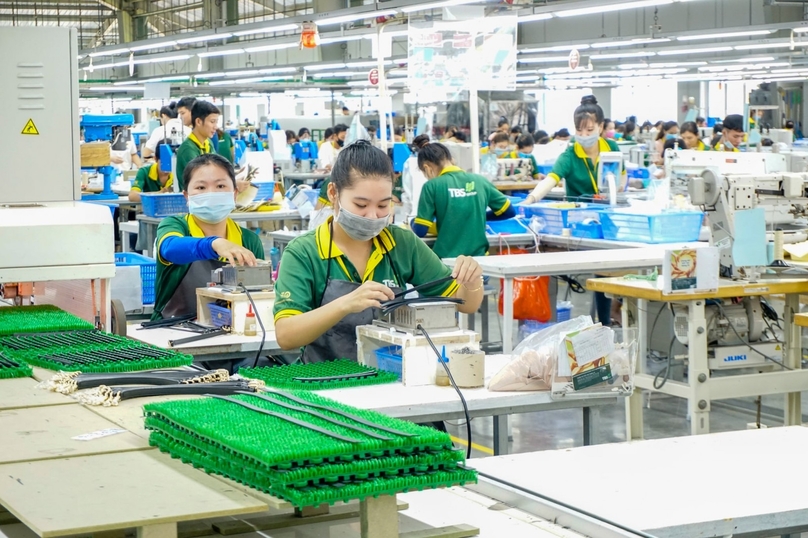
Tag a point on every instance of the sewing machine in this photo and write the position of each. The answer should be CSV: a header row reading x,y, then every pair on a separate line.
x,y
514,170
113,128
62,245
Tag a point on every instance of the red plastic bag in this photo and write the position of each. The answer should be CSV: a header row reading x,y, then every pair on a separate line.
x,y
531,297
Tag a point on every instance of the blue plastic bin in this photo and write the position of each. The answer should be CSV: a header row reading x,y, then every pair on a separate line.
x,y
557,217
673,227
220,316
591,230
163,205
507,226
389,359
639,173
544,169
148,272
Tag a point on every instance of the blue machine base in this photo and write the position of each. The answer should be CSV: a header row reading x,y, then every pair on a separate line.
x,y
102,196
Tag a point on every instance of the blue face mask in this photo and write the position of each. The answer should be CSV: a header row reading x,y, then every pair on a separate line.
x,y
670,136
525,155
500,151
211,207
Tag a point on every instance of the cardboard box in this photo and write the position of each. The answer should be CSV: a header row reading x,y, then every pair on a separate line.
x,y
95,154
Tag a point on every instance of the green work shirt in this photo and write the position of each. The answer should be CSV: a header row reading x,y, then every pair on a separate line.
x,y
458,201
148,180
533,163
226,147
579,173
170,275
304,266
189,150
323,196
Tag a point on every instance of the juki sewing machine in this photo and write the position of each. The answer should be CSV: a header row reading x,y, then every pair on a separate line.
x,y
113,128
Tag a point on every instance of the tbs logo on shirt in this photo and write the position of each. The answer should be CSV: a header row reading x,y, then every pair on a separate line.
x,y
463,193
389,283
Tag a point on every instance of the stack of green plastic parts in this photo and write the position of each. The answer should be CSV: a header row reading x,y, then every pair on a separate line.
x,y
305,448
337,374
10,368
48,337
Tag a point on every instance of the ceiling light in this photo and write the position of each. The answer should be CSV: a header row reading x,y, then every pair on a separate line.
x,y
116,89
277,46
397,74
611,7
267,30
535,17
108,53
151,46
322,67
800,30
557,48
203,38
747,33
546,59
278,70
355,17
693,51
627,43
177,58
337,74
758,46
745,60
213,53
436,5
617,56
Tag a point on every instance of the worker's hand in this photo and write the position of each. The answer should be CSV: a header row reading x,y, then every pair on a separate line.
x,y
165,189
467,272
368,295
241,186
115,159
235,254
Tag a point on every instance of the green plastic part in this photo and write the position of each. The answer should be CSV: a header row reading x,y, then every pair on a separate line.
x,y
38,318
10,368
290,377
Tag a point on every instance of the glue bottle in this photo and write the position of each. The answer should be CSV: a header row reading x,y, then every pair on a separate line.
x,y
250,326
441,377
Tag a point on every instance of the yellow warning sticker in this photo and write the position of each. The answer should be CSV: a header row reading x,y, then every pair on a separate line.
x,y
30,128
777,348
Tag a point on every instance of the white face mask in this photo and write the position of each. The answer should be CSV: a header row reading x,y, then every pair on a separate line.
x,y
360,228
587,141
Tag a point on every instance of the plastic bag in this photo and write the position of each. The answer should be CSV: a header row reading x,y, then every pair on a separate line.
x,y
412,181
489,167
534,366
356,131
531,298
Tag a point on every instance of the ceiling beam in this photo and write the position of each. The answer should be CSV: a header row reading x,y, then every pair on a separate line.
x,y
50,18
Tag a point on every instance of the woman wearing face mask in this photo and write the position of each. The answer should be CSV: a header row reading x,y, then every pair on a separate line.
x,y
578,165
499,146
460,220
332,278
669,131
190,246
608,129
690,134
524,150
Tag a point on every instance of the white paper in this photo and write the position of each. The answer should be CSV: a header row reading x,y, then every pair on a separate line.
x,y
592,345
97,434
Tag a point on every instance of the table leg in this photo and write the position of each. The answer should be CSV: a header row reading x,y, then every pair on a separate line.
x,y
151,237
792,358
379,517
501,435
587,426
507,315
698,372
124,241
552,293
634,416
163,530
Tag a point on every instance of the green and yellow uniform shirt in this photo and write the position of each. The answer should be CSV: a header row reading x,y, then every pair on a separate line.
x,y
170,275
225,148
458,201
533,163
304,265
323,196
721,147
190,149
702,147
147,179
579,173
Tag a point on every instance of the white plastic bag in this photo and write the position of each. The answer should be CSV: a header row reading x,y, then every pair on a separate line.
x,y
534,365
489,167
356,131
412,181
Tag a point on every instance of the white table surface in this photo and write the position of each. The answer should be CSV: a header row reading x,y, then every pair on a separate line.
x,y
229,345
281,214
698,486
284,236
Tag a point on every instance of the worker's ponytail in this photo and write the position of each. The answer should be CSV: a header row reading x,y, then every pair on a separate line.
x,y
431,152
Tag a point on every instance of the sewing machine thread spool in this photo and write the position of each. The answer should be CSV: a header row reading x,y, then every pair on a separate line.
x,y
778,245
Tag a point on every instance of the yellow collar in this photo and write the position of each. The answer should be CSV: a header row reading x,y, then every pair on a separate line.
x,y
233,230
323,238
721,147
450,169
702,147
581,154
154,175
204,147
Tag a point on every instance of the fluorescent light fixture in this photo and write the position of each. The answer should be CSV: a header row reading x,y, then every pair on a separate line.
x,y
557,48
274,70
176,78
151,46
546,59
251,94
211,75
800,30
536,17
747,33
632,42
267,30
745,60
693,51
355,17
108,52
617,56
213,53
436,5
396,74
338,74
322,67
203,38
372,63
611,7
277,46
760,46
247,81
343,39
116,88
789,71
177,58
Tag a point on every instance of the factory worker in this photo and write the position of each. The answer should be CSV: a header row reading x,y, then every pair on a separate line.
x,y
330,149
499,146
151,179
190,246
732,134
184,109
456,201
171,128
690,134
224,145
205,120
332,278
669,131
629,131
502,127
125,159
524,150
